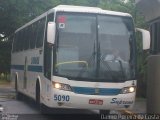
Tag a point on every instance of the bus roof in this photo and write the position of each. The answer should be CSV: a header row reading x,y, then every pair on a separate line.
x,y
71,8
80,9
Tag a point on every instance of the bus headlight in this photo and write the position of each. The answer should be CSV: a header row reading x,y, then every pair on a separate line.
x,y
61,86
128,89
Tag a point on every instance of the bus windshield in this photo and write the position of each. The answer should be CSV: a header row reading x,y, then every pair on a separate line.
x,y
94,47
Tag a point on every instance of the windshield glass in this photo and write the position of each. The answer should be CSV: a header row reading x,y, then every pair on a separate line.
x,y
94,47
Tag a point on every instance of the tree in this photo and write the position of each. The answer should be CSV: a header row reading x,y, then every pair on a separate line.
x,y
16,13
124,6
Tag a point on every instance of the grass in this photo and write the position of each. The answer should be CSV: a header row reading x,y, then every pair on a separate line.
x,y
4,79
4,82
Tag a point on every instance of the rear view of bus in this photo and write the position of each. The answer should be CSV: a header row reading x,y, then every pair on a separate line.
x,y
86,72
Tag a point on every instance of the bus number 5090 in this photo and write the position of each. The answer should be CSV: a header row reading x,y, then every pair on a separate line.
x,y
61,97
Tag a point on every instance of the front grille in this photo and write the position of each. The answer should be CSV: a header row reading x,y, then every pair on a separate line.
x,y
96,91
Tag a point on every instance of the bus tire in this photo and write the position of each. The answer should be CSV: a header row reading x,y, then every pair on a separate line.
x,y
38,101
38,94
18,96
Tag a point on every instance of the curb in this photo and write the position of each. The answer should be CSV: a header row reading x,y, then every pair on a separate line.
x,y
7,96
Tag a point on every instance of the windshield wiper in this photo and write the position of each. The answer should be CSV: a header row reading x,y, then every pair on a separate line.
x,y
108,68
99,60
84,68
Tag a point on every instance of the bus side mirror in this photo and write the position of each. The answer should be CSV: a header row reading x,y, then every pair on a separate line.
x,y
145,38
51,32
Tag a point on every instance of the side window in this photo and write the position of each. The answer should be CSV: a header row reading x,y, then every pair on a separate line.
x,y
33,35
14,43
21,37
48,51
26,39
40,32
18,42
30,34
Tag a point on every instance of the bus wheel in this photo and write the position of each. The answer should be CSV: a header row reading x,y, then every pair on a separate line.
x,y
106,112
38,101
38,94
18,97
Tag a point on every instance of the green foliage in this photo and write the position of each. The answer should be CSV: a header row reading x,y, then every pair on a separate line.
x,y
5,48
17,12
92,3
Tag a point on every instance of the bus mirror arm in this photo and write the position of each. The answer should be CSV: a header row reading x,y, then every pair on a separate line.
x,y
51,31
145,38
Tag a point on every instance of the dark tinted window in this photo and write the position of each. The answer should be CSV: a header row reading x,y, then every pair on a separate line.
x,y
15,43
18,44
40,32
33,35
30,37
26,38
21,41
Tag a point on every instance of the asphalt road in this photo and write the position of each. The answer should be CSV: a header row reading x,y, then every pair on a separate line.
x,y
12,109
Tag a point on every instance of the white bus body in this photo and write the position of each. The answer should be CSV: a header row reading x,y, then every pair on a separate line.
x,y
37,72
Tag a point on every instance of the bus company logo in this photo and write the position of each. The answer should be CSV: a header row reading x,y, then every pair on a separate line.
x,y
121,102
35,60
97,91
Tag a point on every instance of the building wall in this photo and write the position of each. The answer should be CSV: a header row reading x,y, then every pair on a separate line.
x,y
151,10
153,85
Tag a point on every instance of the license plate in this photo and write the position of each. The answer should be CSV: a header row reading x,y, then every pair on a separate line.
x,y
96,102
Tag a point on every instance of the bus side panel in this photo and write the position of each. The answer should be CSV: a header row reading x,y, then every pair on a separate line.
x,y
28,65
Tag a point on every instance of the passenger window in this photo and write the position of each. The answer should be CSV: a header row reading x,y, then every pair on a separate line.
x,y
40,32
30,35
15,43
21,40
18,42
33,35
26,38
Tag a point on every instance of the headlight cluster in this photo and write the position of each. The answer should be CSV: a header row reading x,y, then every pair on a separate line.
x,y
61,86
128,89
